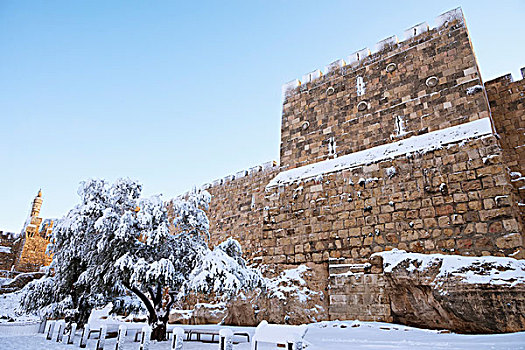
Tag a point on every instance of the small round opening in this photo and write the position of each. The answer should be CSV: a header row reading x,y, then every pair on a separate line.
x,y
330,91
305,125
362,106
391,67
432,81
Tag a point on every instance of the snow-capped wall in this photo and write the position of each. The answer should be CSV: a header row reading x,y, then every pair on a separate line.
x,y
416,144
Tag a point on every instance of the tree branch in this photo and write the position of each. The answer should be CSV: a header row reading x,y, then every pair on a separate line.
x,y
151,294
166,315
158,298
151,311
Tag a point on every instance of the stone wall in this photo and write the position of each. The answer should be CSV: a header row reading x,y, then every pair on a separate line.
x,y
237,205
507,105
10,246
329,110
358,291
33,255
457,199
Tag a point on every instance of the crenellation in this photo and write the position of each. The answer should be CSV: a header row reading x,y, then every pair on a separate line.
x,y
387,44
383,96
416,30
453,19
455,15
358,56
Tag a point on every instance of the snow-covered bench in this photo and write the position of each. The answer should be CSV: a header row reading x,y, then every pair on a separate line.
x,y
213,333
289,336
99,317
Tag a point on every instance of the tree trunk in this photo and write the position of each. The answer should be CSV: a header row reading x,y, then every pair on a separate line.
x,y
158,331
158,324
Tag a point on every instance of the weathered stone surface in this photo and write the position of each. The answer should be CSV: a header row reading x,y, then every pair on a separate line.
x,y
181,317
209,313
259,305
460,307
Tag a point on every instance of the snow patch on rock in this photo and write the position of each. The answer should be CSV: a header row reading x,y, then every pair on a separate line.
x,y
492,270
290,282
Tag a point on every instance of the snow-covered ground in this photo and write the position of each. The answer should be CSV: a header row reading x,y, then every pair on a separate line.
x,y
8,304
320,336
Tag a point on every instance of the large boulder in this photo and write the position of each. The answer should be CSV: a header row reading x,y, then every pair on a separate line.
x,y
204,313
462,294
294,296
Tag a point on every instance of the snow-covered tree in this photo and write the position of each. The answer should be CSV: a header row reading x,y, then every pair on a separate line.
x,y
115,242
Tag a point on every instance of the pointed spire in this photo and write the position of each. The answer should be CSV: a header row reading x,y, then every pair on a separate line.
x,y
39,193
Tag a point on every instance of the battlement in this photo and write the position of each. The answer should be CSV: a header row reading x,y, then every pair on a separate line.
x,y
382,47
253,171
246,175
507,78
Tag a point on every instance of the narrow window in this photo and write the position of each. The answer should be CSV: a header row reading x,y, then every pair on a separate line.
x,y
332,147
400,126
360,85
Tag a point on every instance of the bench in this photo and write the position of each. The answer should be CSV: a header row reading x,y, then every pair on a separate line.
x,y
213,333
289,337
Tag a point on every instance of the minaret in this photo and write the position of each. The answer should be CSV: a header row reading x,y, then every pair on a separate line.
x,y
37,204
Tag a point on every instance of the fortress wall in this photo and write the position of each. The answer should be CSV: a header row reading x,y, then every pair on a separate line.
x,y
237,205
457,200
352,182
324,108
507,104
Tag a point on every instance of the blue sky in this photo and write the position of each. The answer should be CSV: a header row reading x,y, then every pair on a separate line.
x,y
176,94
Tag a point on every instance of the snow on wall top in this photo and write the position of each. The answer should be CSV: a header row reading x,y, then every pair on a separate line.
x,y
238,175
358,56
481,270
420,144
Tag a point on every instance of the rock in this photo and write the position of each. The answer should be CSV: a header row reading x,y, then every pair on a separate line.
x,y
180,316
418,298
20,282
204,313
284,305
510,240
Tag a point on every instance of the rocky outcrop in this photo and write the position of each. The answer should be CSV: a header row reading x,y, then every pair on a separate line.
x,y
19,282
209,313
462,294
294,295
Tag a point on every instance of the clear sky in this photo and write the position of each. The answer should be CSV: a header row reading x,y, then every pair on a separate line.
x,y
177,94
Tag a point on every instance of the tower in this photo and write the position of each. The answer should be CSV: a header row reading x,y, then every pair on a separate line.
x,y
37,204
37,233
34,221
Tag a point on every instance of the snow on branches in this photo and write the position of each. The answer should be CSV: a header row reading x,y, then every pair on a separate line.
x,y
223,271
